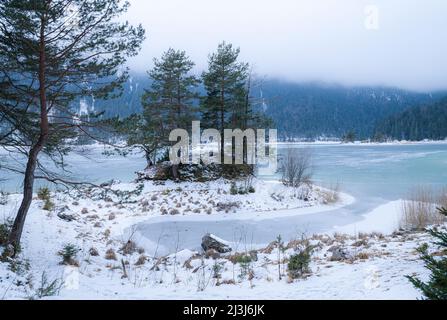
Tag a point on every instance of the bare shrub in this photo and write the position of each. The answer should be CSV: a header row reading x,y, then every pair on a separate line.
x,y
129,248
420,210
442,198
296,167
363,256
141,260
331,194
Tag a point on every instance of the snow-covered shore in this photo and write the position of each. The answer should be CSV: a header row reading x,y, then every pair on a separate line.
x,y
111,264
385,219
364,143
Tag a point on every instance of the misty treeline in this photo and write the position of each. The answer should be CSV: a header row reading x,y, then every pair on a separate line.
x,y
415,124
306,111
314,110
220,98
53,52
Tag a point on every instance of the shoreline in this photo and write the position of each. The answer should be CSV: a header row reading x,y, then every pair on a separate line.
x,y
156,275
345,200
360,143
384,219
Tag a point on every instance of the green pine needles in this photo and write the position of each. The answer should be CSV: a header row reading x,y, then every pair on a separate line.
x,y
436,287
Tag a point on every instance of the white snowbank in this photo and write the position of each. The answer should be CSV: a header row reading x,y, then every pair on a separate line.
x,y
384,219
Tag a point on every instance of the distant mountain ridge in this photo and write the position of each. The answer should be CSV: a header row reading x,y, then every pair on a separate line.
x,y
317,110
127,104
299,110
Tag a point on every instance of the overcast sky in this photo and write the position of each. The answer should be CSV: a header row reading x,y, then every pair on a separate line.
x,y
354,42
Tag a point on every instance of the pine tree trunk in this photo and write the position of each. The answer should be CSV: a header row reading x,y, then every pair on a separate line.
x,y
175,173
28,185
222,123
148,156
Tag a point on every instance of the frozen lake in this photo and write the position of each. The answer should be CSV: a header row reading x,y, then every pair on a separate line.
x,y
373,174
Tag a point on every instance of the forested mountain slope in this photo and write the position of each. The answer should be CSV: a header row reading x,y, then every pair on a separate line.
x,y
418,123
299,110
315,110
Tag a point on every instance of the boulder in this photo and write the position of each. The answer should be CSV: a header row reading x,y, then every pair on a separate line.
x,y
109,183
66,217
61,214
158,172
211,242
339,254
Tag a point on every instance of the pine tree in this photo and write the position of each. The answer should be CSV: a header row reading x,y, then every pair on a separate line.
x,y
436,287
225,83
167,105
173,89
349,136
53,52
139,133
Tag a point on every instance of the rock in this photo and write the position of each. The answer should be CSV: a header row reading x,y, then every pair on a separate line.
x,y
339,254
211,242
158,172
62,209
66,217
227,206
108,183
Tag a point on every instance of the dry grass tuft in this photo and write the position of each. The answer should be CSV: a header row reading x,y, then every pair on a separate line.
x,y
331,195
111,255
363,256
420,211
141,260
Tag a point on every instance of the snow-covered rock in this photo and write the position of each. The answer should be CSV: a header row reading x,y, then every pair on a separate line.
x,y
211,242
340,254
